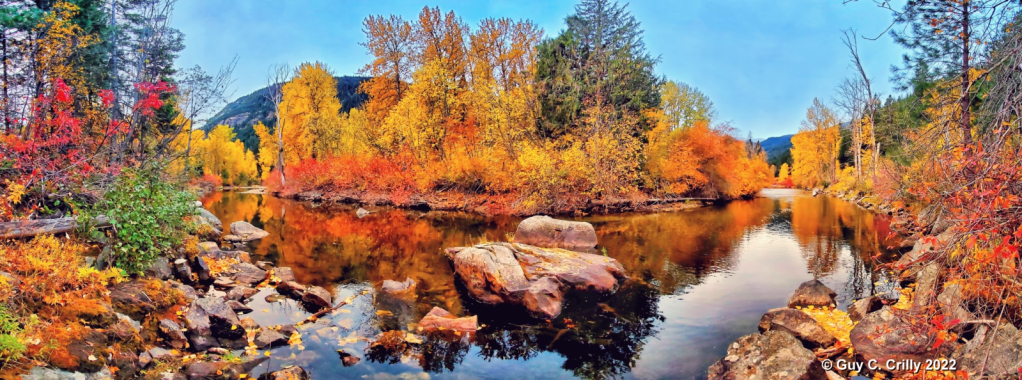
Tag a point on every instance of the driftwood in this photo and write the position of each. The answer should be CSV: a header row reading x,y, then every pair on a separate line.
x,y
26,228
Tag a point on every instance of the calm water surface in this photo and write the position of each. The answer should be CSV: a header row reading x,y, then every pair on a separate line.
x,y
699,279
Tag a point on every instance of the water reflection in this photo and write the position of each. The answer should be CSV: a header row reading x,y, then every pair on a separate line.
x,y
699,279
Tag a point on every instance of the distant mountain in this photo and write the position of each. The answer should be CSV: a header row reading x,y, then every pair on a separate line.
x,y
244,113
775,146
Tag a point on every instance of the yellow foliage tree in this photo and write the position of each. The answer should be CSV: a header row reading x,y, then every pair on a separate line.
x,y
312,114
815,148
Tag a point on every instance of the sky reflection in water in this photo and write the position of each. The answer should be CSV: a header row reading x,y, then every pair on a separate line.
x,y
699,280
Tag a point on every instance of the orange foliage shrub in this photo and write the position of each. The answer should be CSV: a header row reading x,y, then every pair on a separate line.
x,y
708,160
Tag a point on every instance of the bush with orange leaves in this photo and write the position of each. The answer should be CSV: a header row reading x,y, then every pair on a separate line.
x,y
50,292
707,160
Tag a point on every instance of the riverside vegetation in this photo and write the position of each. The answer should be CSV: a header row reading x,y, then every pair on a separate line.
x,y
109,268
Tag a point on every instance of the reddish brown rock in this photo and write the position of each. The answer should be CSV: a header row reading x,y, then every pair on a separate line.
x,y
248,274
441,319
317,297
532,277
544,231
291,289
888,334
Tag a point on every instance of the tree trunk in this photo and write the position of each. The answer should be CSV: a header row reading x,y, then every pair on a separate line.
x,y
965,123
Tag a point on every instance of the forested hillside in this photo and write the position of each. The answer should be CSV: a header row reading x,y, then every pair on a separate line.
x,y
243,113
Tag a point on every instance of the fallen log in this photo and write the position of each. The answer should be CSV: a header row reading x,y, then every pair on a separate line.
x,y
27,228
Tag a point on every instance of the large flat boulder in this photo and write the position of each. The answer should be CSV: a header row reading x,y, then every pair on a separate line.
x,y
531,277
772,355
245,231
544,231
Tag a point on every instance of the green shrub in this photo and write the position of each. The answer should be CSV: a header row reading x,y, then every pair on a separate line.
x,y
11,347
147,214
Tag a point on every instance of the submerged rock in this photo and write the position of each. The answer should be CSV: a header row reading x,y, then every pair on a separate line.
x,y
771,355
544,231
361,213
399,288
532,277
441,319
799,325
812,293
245,231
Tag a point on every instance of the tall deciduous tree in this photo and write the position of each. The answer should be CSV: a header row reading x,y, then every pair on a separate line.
x,y
390,40
684,105
816,147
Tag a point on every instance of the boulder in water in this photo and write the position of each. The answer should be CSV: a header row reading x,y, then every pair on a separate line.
x,y
812,293
532,277
245,231
544,231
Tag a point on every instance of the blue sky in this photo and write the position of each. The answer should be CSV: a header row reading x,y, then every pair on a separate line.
x,y
761,62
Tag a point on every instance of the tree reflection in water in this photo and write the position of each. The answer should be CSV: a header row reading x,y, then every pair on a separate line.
x,y
667,255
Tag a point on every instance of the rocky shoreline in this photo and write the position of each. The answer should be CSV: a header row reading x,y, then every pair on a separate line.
x,y
484,204
897,334
187,316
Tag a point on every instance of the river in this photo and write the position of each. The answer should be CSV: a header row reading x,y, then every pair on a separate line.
x,y
700,278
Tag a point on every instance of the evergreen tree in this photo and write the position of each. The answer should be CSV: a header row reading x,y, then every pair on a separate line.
x,y
599,58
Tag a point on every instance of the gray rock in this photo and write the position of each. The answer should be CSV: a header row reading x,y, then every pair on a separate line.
x,y
290,373
773,355
269,338
993,351
222,319
184,271
160,269
172,334
144,359
210,218
247,232
283,274
160,353
812,293
240,293
798,324
860,308
207,246
248,274
926,285
201,343
361,213
238,307
544,231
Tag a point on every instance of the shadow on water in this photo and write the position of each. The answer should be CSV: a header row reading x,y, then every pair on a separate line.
x,y
698,280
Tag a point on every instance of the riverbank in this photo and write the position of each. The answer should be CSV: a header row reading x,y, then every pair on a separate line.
x,y
925,320
493,205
